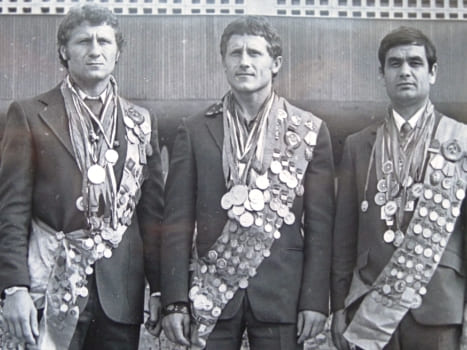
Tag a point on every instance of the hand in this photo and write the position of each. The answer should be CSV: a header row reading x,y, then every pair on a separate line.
x,y
309,324
177,328
20,317
154,322
338,326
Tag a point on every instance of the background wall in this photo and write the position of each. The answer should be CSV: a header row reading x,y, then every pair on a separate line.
x,y
171,64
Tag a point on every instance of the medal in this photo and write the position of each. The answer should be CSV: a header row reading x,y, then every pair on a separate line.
x,y
311,138
387,167
417,190
239,194
292,139
246,219
262,182
96,174
281,114
364,206
289,218
380,198
129,122
389,236
226,201
111,156
382,185
276,167
451,150
80,203
390,208
437,162
296,120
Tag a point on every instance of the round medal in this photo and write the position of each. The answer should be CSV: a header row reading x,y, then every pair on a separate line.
x,y
364,206
437,198
437,162
96,174
428,194
276,167
111,156
390,208
238,194
423,212
246,219
292,182
382,185
389,236
417,190
380,198
80,203
460,194
262,182
388,167
107,253
436,177
289,218
446,183
243,283
452,150
238,210
417,229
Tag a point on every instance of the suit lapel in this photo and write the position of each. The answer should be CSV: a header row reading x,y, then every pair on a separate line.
x,y
215,127
54,116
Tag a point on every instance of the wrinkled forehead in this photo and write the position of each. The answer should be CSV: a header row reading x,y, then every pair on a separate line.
x,y
406,51
247,41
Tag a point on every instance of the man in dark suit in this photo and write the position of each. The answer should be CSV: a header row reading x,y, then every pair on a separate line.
x,y
81,201
398,273
251,180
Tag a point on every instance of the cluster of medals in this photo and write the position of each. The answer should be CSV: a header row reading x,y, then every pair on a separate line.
x,y
82,248
256,213
404,279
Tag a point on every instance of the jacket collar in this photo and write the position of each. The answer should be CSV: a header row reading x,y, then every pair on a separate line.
x,y
215,123
54,115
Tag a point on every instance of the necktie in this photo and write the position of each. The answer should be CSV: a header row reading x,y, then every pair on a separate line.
x,y
95,105
405,133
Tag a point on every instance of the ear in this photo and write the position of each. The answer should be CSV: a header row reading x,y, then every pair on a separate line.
x,y
117,56
381,75
433,73
276,65
63,54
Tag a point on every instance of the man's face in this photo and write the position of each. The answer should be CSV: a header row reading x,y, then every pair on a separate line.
x,y
91,53
249,67
407,76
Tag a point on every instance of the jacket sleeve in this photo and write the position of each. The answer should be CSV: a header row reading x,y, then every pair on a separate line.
x,y
16,185
150,210
345,230
179,220
318,223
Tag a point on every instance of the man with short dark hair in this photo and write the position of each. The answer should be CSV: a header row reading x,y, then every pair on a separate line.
x,y
253,176
81,201
398,273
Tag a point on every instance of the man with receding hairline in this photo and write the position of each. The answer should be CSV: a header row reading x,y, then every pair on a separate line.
x,y
399,258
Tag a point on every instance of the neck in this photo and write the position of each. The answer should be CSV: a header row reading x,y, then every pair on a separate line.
x,y
92,89
407,111
249,104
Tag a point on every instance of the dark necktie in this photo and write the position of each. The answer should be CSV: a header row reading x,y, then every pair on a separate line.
x,y
405,133
95,105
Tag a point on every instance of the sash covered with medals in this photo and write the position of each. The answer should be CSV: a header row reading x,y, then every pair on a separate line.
x,y
264,171
403,282
60,262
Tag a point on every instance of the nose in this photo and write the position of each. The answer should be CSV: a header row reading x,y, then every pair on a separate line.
x,y
95,48
405,69
245,59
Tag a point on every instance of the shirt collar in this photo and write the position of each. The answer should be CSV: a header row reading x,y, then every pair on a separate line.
x,y
85,96
412,120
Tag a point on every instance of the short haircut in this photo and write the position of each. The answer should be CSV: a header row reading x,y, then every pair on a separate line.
x,y
253,25
92,13
406,36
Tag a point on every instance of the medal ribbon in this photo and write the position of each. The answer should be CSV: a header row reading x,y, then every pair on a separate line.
x,y
393,293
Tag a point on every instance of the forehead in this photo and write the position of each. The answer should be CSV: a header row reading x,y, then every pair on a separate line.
x,y
86,29
406,51
250,41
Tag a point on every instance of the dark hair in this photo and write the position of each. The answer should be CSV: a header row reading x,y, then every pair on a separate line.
x,y
406,36
253,25
92,13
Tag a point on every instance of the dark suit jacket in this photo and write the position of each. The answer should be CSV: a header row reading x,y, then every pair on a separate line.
x,y
39,178
358,242
296,275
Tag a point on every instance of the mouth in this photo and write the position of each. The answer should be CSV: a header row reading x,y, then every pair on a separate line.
x,y
244,74
406,85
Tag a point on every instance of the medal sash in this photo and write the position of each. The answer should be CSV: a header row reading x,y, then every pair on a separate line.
x,y
257,210
60,262
403,282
